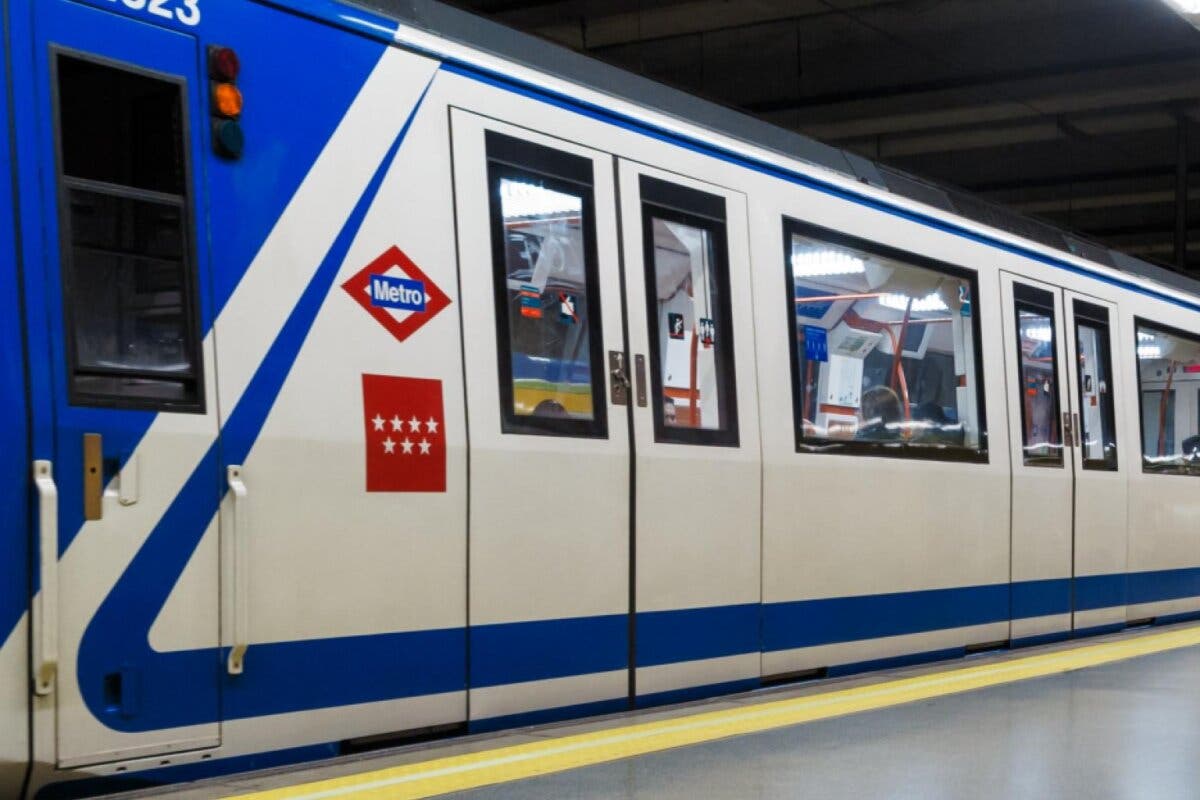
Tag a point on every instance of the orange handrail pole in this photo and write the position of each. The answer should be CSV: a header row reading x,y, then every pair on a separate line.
x,y
1162,409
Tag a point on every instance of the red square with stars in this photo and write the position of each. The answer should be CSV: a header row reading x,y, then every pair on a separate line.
x,y
405,434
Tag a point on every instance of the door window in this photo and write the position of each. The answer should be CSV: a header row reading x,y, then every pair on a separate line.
x,y
129,286
1041,433
884,349
1098,430
547,303
688,311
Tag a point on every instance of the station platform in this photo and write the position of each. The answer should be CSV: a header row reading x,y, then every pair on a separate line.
x,y
1108,717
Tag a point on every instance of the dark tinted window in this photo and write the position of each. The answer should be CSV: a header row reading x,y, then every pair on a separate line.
x,y
128,279
1168,365
1098,430
1041,434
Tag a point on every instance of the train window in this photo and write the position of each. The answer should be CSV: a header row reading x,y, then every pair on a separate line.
x,y
1168,362
129,283
1041,432
547,303
885,349
688,311
1098,430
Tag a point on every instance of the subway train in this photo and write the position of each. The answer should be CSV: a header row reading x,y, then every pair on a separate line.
x,y
370,371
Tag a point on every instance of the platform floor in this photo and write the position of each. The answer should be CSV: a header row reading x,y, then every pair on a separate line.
x,y
1117,717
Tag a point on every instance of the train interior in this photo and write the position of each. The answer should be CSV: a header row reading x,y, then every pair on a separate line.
x,y
885,348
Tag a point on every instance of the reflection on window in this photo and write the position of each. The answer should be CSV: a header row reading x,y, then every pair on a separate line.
x,y
551,379
1096,415
547,301
1040,431
885,350
1168,364
129,291
686,309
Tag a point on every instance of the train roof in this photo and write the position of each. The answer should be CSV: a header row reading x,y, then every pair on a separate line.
x,y
530,51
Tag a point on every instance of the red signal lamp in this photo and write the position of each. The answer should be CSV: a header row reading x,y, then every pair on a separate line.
x,y
223,63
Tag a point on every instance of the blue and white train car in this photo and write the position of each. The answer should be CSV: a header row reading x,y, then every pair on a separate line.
x,y
367,369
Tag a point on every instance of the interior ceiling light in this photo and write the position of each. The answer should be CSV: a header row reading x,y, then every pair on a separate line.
x,y
1188,9
818,263
1149,351
930,302
1145,337
520,199
1039,333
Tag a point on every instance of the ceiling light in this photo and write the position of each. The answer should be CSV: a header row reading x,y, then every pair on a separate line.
x,y
1147,337
1186,6
1149,351
1039,333
930,302
520,199
818,263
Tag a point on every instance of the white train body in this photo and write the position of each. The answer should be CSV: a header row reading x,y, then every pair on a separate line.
x,y
364,511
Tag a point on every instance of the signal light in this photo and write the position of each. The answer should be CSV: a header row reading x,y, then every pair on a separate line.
x,y
226,102
223,63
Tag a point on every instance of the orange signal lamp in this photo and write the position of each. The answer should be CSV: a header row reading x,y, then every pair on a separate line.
x,y
227,100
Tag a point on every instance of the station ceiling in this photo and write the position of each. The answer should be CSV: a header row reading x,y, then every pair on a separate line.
x,y
1078,112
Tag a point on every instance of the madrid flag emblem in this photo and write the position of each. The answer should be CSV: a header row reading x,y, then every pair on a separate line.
x,y
405,434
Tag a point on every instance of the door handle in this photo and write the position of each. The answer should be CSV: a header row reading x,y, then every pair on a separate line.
x,y
620,381
240,580
93,476
1075,428
1068,436
44,619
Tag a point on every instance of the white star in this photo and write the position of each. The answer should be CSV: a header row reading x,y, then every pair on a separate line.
x,y
432,425
414,425
406,446
377,422
397,423
424,447
388,445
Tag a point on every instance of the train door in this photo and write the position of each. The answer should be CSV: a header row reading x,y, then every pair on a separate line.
x,y
697,468
1068,497
547,397
123,412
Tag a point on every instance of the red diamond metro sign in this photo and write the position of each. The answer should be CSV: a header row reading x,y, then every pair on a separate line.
x,y
397,293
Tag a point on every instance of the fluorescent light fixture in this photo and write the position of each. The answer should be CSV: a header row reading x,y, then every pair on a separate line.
x,y
930,302
1147,337
1149,351
1186,6
818,263
1039,333
520,199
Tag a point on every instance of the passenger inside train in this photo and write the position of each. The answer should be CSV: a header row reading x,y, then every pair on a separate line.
x,y
885,349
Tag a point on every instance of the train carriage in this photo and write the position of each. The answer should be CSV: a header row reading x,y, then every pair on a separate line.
x,y
371,371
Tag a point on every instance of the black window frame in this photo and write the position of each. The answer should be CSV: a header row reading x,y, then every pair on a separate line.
x,y
1097,316
189,285
892,449
1184,469
1038,300
670,202
513,158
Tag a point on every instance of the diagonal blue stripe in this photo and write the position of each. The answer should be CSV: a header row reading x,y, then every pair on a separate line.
x,y
181,688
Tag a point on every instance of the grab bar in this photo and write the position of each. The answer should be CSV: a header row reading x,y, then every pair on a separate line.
x,y
44,618
240,582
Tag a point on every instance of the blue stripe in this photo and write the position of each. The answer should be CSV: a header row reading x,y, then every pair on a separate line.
x,y
516,652
1103,591
668,637
1041,598
697,692
808,623
625,122
1167,584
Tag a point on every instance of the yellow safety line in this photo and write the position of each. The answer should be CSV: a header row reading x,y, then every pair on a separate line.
x,y
503,764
